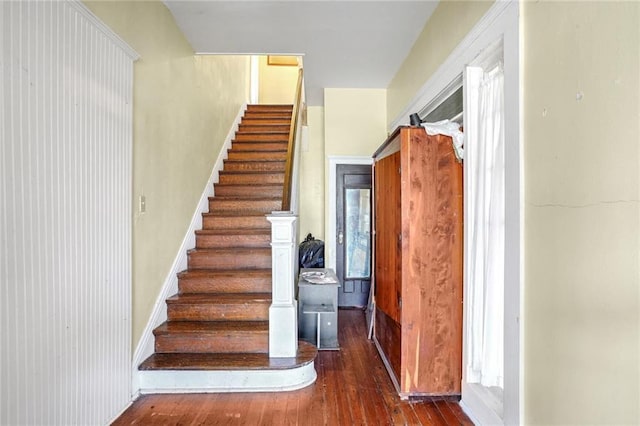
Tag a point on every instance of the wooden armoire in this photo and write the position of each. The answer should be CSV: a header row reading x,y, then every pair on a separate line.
x,y
418,262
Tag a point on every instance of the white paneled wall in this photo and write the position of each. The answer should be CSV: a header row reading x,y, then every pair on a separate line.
x,y
65,216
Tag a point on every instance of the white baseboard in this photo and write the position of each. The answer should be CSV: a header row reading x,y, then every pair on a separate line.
x,y
476,407
170,287
122,411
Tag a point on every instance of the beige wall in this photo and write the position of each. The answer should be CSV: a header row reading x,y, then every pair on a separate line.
x,y
312,176
276,83
183,108
581,212
449,24
354,121
354,125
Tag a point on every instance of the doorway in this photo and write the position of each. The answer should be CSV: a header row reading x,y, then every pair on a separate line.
x,y
353,234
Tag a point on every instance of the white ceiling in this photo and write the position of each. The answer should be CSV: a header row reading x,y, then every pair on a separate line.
x,y
346,44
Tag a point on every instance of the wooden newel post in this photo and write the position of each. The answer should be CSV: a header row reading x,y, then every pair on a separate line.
x,y
283,323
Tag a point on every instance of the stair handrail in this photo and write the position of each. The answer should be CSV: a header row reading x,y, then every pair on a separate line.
x,y
291,147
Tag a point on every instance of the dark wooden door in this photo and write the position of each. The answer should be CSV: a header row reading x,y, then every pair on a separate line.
x,y
353,234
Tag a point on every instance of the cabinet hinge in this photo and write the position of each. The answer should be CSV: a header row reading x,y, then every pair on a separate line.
x,y
399,170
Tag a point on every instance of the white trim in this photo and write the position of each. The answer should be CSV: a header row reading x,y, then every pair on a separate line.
x,y
101,26
500,21
489,27
475,408
158,315
330,225
254,85
442,96
223,381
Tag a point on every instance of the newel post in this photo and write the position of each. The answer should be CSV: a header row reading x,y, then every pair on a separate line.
x,y
283,323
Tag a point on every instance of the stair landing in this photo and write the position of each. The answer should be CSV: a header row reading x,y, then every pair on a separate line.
x,y
243,372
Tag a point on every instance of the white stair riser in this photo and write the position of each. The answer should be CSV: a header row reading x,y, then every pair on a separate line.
x,y
178,381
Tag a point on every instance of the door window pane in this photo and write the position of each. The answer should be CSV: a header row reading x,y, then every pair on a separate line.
x,y
357,233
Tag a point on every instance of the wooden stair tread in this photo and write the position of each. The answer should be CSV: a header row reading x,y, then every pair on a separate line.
x,y
268,114
236,250
234,215
211,327
278,153
257,155
266,127
265,121
263,132
269,107
249,273
260,106
220,298
260,138
216,281
239,231
239,198
280,146
251,172
247,191
260,184
255,199
229,361
255,160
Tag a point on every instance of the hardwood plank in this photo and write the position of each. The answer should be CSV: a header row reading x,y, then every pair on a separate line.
x,y
311,403
368,388
291,410
194,408
353,382
275,413
352,388
448,415
335,386
255,406
428,414
454,406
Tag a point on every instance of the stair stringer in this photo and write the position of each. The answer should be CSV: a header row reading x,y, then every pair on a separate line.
x,y
145,347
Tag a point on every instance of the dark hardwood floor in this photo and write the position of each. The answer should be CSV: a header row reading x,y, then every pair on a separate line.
x,y
352,388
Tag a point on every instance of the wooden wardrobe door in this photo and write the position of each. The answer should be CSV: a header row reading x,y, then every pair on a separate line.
x,y
432,266
388,253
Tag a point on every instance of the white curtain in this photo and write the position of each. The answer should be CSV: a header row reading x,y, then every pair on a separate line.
x,y
485,162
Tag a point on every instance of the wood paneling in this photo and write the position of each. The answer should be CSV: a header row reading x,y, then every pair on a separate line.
x,y
65,216
352,388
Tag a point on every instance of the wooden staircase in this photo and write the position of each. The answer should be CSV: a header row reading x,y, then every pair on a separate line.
x,y
218,322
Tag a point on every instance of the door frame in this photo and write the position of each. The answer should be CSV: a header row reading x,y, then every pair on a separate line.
x,y
330,225
350,170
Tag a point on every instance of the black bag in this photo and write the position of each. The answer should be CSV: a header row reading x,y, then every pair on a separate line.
x,y
311,253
